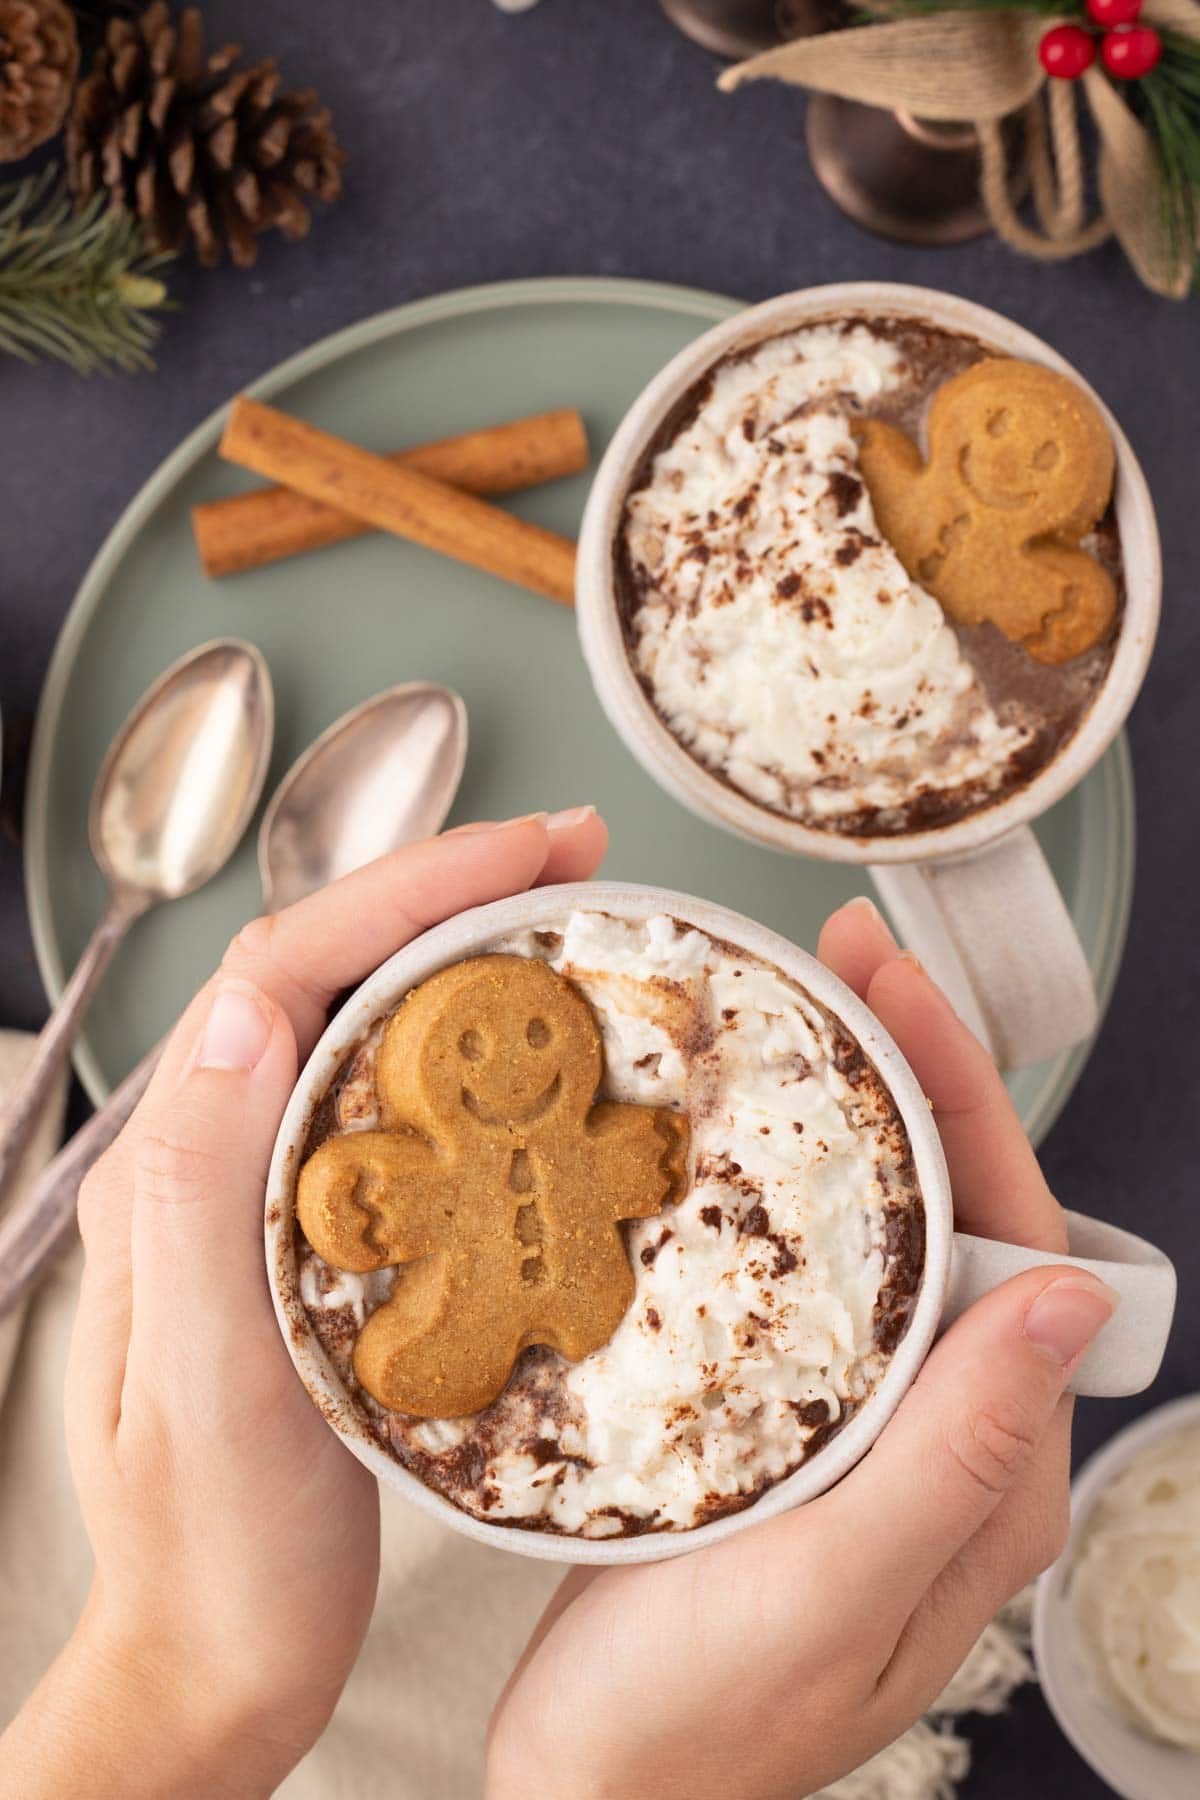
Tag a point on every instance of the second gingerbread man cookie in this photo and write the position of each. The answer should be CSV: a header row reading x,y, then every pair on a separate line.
x,y
497,1178
1020,468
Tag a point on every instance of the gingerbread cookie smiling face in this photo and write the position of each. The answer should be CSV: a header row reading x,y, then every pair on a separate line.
x,y
497,1067
1020,467
497,1177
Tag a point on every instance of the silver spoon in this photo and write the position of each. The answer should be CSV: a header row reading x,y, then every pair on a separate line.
x,y
173,797
384,775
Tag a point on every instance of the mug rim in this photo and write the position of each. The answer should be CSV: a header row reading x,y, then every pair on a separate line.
x,y
651,740
467,934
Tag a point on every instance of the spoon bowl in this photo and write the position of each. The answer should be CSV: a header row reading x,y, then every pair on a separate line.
x,y
181,779
383,775
173,797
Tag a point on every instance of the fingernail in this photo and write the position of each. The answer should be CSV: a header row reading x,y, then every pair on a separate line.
x,y
482,825
1067,1315
236,1030
863,904
567,821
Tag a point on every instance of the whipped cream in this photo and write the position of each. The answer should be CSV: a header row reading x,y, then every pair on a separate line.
x,y
777,633
768,1300
1135,1591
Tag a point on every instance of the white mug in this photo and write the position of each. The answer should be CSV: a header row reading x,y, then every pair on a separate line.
x,y
975,898
958,1268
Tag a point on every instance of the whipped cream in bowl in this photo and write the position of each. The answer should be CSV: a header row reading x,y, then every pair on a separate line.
x,y
1117,1619
782,1304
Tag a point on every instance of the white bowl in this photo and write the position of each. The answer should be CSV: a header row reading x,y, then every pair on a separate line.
x,y
1135,1766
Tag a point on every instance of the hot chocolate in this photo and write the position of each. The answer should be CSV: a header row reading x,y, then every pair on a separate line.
x,y
777,632
768,1298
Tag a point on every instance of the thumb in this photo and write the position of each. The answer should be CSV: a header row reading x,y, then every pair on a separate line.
x,y
966,1430
198,1170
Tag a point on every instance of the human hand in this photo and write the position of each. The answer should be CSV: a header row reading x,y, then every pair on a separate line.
x,y
236,1540
780,1659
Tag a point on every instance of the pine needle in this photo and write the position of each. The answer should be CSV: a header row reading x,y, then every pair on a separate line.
x,y
79,288
1167,101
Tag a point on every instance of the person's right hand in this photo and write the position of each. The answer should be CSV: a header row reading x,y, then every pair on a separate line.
x,y
775,1662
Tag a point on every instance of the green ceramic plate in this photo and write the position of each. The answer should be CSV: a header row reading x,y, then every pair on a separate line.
x,y
338,626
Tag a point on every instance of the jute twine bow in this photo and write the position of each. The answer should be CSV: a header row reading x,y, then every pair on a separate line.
x,y
982,67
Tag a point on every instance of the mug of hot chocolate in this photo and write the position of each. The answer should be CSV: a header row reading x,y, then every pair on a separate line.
x,y
603,1222
869,574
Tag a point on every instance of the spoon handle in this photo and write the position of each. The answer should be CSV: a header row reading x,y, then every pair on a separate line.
x,y
41,1221
18,1117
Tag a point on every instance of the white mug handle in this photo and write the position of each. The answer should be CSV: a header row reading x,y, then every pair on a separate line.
x,y
995,934
1127,1355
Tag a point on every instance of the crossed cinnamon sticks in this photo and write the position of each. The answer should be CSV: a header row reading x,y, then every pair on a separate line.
x,y
330,490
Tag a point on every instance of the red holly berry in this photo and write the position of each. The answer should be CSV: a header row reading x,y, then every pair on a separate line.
x,y
1131,52
1113,12
1066,51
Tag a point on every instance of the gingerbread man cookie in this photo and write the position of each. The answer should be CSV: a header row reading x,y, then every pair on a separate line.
x,y
1020,467
497,1178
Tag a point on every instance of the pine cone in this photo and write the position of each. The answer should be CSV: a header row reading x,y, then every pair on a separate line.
x,y
39,60
197,147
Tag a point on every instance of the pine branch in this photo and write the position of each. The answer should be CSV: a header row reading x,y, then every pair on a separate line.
x,y
1167,102
75,287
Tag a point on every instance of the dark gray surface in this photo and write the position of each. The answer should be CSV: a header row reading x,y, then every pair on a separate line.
x,y
586,137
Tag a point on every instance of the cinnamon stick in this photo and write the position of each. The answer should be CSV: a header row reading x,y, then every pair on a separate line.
x,y
399,498
245,531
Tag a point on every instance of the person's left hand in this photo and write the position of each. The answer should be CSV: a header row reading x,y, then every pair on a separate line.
x,y
236,1539
785,1656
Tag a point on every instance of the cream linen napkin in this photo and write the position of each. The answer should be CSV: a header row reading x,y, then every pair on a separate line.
x,y
450,1621
44,1556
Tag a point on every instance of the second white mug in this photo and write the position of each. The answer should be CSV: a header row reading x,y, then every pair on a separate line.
x,y
974,898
